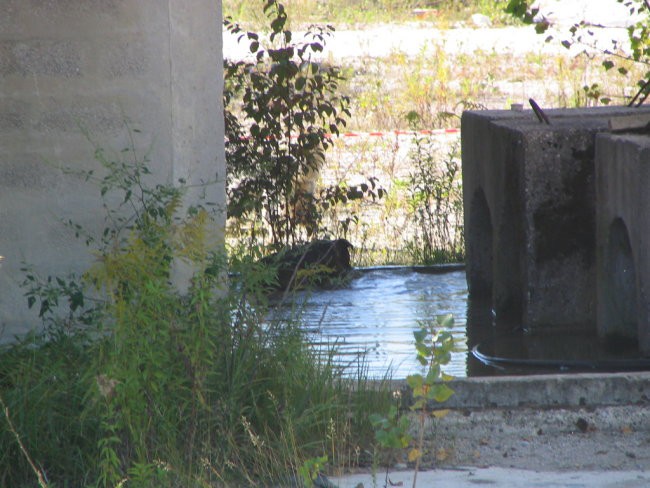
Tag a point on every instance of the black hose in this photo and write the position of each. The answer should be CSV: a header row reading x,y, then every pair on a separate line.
x,y
608,365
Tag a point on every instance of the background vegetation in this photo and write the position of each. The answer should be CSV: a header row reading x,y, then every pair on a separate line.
x,y
424,92
132,383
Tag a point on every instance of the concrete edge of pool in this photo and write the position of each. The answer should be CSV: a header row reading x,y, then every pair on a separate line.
x,y
544,391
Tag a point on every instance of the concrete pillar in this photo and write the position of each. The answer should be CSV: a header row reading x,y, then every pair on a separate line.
x,y
623,242
537,181
90,66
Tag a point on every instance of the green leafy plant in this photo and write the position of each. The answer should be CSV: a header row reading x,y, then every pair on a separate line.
x,y
582,34
134,382
310,469
435,202
434,343
279,112
392,432
43,387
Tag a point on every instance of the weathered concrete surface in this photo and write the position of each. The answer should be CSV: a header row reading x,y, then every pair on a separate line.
x,y
529,195
551,391
623,220
543,391
470,477
79,65
578,430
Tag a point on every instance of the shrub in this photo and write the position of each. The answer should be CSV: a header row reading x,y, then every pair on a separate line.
x,y
281,111
139,384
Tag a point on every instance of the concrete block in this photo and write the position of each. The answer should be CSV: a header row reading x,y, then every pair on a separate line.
x,y
39,57
72,73
623,241
530,216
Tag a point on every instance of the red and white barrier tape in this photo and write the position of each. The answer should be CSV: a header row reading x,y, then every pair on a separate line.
x,y
410,133
396,133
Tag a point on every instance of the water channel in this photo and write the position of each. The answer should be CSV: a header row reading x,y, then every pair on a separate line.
x,y
376,313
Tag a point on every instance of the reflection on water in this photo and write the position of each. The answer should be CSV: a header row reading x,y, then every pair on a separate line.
x,y
378,312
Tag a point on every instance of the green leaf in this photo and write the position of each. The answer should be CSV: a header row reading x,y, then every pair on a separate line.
x,y
376,419
422,349
415,381
278,23
419,404
517,8
300,82
446,321
433,374
420,335
440,392
542,26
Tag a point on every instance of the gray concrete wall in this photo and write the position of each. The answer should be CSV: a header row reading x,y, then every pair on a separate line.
x,y
90,65
623,242
539,186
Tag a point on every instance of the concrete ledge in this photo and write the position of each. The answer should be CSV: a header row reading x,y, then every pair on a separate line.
x,y
547,391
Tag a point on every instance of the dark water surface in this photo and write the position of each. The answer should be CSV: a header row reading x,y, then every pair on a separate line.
x,y
378,312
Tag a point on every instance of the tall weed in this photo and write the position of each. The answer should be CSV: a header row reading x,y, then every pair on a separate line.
x,y
138,384
436,203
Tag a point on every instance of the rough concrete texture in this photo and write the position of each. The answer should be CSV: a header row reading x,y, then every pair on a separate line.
x,y
623,217
466,477
585,430
551,391
544,422
530,220
563,439
71,74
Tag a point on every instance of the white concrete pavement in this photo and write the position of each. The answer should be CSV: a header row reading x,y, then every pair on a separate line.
x,y
498,477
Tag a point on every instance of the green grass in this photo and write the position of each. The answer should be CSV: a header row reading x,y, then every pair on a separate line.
x,y
137,384
283,402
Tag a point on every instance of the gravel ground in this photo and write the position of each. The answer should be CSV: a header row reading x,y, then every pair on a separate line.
x,y
603,447
602,438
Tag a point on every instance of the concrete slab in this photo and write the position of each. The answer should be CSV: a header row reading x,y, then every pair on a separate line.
x,y
551,391
501,477
77,77
522,432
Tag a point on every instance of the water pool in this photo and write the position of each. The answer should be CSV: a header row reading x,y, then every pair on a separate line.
x,y
378,311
